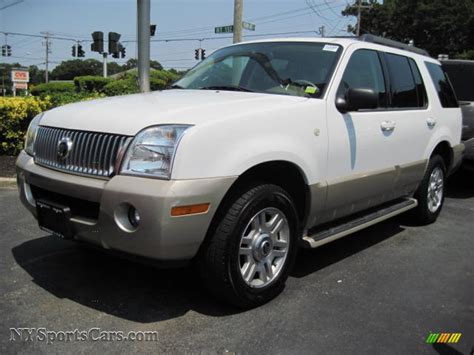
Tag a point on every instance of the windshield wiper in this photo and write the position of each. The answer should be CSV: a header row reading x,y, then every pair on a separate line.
x,y
175,87
226,87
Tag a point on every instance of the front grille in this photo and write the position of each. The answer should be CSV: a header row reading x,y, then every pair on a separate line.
x,y
89,153
79,207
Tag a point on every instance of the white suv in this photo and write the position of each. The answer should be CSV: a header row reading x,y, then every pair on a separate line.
x,y
262,147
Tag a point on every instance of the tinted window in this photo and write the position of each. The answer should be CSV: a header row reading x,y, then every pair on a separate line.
x,y
420,86
403,88
461,75
364,71
441,82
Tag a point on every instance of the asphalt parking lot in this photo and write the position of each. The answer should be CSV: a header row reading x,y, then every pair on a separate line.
x,y
382,290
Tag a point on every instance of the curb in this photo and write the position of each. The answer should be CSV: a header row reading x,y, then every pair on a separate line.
x,y
7,182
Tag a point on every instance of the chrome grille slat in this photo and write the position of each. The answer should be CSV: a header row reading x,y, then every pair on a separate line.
x,y
92,153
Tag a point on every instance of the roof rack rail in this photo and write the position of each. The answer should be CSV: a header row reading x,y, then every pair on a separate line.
x,y
392,43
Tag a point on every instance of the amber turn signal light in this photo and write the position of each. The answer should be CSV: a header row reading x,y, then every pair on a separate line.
x,y
191,209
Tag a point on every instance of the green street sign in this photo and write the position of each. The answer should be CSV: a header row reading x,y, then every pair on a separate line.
x,y
224,29
248,26
230,29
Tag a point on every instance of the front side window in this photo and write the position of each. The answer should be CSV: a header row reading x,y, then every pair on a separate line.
x,y
402,83
364,71
286,68
442,85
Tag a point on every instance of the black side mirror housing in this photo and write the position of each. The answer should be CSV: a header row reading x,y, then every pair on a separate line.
x,y
357,99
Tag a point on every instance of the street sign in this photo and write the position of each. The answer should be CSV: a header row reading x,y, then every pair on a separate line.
x,y
248,26
224,29
20,86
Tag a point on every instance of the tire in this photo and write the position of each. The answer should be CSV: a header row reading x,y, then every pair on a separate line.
x,y
241,253
427,210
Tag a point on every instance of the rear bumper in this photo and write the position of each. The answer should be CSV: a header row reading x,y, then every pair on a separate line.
x,y
158,236
458,154
469,149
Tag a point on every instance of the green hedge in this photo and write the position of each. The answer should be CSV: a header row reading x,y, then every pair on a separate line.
x,y
15,116
91,83
52,88
121,87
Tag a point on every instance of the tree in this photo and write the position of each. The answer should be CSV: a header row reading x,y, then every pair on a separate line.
x,y
69,69
132,63
439,26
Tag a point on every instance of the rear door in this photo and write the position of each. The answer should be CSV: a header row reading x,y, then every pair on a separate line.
x,y
414,121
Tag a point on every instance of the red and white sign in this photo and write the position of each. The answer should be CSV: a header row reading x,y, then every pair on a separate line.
x,y
20,76
20,86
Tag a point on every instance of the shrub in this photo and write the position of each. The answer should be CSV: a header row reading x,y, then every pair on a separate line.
x,y
68,98
52,88
15,115
157,84
121,87
90,83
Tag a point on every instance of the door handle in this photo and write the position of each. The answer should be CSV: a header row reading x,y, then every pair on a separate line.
x,y
431,122
387,126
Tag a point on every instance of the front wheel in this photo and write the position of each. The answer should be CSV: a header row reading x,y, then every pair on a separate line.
x,y
249,255
430,193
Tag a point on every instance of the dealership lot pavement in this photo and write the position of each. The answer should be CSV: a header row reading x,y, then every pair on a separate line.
x,y
382,290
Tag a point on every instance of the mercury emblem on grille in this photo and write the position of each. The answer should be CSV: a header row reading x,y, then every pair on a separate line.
x,y
64,147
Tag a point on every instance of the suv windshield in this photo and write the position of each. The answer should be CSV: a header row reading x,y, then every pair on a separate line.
x,y
461,75
286,68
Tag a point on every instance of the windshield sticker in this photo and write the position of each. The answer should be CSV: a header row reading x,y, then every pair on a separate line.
x,y
311,90
330,48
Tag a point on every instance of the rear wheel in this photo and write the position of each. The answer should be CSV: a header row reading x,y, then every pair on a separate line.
x,y
249,255
430,193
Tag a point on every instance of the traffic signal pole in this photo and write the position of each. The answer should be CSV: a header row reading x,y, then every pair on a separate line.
x,y
143,41
104,55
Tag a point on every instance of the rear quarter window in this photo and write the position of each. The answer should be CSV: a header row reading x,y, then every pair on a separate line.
x,y
442,85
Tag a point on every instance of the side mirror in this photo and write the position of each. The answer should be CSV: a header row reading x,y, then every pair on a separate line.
x,y
357,99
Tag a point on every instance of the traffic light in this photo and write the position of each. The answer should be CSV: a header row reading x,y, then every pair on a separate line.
x,y
196,53
122,51
73,51
114,43
98,44
9,50
4,50
203,54
152,30
80,51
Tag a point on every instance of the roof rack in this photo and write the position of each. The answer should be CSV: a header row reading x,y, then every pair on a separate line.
x,y
392,43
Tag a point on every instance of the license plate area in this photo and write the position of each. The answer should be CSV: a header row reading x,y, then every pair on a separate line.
x,y
54,218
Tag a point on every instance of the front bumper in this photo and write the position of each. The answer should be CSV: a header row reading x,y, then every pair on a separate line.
x,y
158,236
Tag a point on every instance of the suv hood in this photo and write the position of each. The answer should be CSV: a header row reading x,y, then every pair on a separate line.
x,y
129,114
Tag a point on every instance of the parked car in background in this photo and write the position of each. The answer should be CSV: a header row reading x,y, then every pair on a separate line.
x,y
461,74
261,148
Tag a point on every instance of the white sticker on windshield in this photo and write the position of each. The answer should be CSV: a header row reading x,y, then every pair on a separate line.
x,y
330,48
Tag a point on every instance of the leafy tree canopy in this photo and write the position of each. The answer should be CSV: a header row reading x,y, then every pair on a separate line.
x,y
439,26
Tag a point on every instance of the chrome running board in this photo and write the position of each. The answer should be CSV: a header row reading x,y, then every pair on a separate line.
x,y
334,231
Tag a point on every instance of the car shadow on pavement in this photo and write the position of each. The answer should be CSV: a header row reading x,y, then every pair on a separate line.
x,y
461,185
112,285
312,260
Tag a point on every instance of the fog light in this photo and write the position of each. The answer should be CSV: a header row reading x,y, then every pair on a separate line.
x,y
133,216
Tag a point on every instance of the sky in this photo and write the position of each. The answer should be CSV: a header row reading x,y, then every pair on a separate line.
x,y
176,20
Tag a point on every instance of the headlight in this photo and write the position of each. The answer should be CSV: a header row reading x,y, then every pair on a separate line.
x,y
31,134
152,151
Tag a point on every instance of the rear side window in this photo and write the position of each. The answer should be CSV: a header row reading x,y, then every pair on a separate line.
x,y
403,86
461,75
364,70
443,86
420,86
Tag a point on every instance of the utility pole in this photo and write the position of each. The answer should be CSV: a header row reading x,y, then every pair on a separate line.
x,y
322,31
238,17
46,44
360,7
143,40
